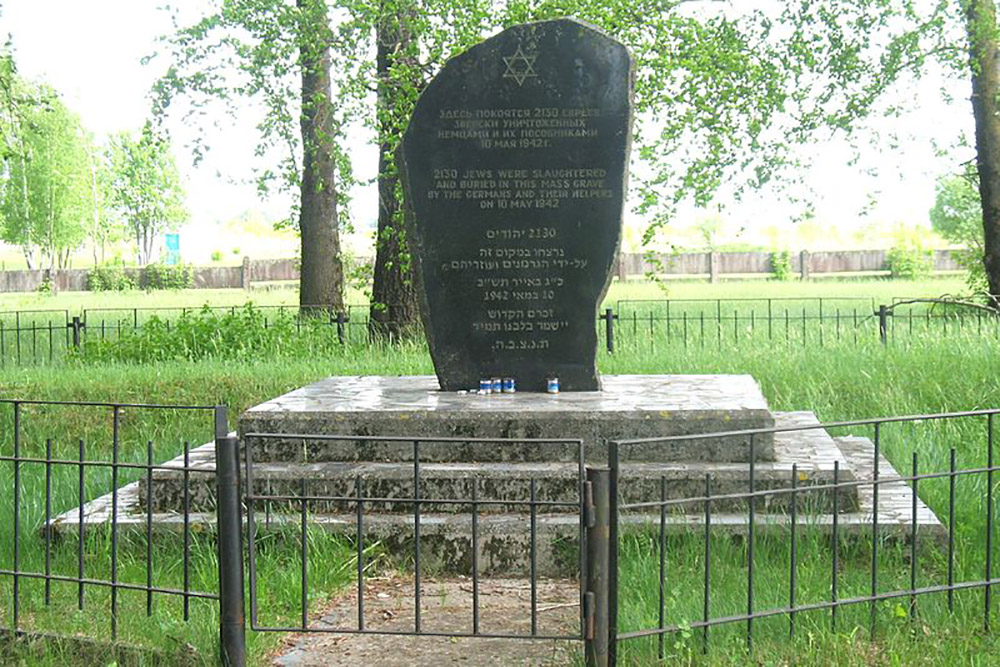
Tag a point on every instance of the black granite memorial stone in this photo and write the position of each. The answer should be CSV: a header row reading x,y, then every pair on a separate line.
x,y
515,164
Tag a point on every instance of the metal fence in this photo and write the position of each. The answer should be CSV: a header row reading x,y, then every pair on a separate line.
x,y
46,337
343,500
647,568
790,322
69,491
916,574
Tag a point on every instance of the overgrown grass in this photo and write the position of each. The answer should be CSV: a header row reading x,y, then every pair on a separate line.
x,y
842,379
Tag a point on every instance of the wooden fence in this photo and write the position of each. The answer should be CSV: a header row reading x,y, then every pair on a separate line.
x,y
711,265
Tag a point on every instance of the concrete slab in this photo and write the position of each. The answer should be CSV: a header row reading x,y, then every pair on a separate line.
x,y
813,452
629,406
505,539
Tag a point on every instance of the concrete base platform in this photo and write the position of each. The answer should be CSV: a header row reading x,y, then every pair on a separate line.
x,y
629,406
813,453
505,539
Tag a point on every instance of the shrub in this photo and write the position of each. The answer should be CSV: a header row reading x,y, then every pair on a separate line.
x,y
216,255
109,278
165,276
242,333
46,288
910,261
781,265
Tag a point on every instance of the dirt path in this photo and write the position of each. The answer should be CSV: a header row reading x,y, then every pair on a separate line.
x,y
446,606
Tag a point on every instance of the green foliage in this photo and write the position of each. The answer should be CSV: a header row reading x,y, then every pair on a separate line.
x,y
167,276
45,178
358,274
781,265
957,215
109,278
244,333
145,187
725,94
910,261
216,255
46,288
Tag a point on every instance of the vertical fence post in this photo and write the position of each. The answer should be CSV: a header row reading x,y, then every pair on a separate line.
x,y
883,324
341,319
77,326
804,265
609,318
614,463
598,570
232,622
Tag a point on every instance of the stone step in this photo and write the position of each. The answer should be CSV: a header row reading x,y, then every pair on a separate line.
x,y
505,539
390,488
629,406
813,451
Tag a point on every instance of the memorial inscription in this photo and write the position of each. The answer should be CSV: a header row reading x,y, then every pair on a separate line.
x,y
515,167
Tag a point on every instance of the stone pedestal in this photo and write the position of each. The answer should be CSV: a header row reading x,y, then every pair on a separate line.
x,y
506,474
630,406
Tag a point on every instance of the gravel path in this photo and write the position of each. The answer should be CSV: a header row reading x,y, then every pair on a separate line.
x,y
446,606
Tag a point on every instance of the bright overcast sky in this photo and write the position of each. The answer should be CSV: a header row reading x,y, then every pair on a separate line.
x,y
90,52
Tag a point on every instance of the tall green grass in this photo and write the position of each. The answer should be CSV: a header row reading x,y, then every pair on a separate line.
x,y
839,379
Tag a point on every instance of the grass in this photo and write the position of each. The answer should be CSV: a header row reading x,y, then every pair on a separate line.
x,y
880,290
838,379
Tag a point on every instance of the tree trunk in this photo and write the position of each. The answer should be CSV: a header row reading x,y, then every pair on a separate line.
x,y
147,245
394,310
985,86
322,275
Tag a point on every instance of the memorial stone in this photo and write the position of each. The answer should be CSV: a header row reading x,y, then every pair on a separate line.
x,y
515,167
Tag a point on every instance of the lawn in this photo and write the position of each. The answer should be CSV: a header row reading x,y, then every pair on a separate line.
x,y
879,290
842,378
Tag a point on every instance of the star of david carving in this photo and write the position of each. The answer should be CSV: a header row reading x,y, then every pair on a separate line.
x,y
520,66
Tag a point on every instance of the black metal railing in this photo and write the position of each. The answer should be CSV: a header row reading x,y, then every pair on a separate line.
x,y
46,337
653,522
64,487
355,505
804,322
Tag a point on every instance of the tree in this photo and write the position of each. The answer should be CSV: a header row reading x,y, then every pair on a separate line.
x,y
322,275
724,95
958,216
45,190
145,187
394,307
276,54
984,61
105,225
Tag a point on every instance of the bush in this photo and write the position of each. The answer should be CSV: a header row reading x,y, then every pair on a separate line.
x,y
242,333
109,278
910,261
165,276
216,255
781,265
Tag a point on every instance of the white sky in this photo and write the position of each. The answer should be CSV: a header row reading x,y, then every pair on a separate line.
x,y
90,52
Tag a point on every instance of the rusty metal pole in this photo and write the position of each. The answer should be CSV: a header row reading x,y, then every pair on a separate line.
x,y
598,566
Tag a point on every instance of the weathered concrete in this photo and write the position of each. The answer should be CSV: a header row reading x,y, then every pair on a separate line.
x,y
630,406
814,452
504,543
